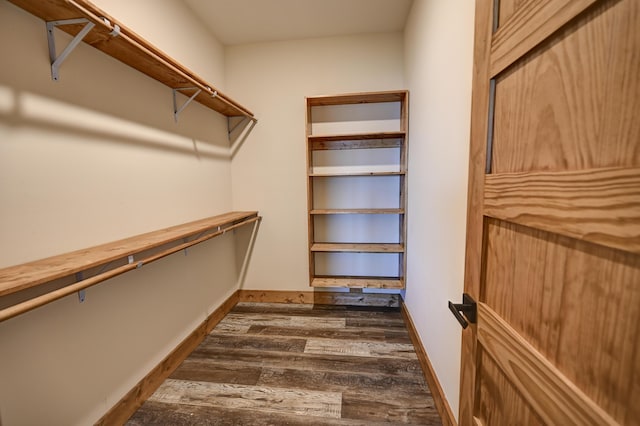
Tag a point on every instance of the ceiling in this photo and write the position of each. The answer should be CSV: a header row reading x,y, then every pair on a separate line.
x,y
251,21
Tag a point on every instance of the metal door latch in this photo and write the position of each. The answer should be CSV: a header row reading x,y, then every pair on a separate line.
x,y
464,312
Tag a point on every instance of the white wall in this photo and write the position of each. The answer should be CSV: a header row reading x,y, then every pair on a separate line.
x,y
93,158
269,173
438,58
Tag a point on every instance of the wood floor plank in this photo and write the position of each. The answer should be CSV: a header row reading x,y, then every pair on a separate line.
x,y
210,370
279,364
253,342
160,414
332,381
263,398
304,361
283,320
360,349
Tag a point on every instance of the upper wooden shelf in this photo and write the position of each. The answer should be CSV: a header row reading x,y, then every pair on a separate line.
x,y
27,275
131,49
358,98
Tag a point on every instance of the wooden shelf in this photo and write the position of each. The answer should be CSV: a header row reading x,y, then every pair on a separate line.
x,y
27,275
358,98
356,141
357,174
357,248
389,162
131,49
355,211
358,282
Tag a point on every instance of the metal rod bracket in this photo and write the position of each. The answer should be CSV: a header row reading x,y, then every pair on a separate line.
x,y
81,293
177,110
57,60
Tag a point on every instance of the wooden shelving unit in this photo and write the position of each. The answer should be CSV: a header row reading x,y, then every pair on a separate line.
x,y
110,260
323,215
116,40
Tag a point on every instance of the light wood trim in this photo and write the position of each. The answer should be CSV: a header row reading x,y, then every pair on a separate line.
x,y
358,247
358,98
358,282
475,220
320,298
430,376
600,205
27,275
134,399
133,50
347,174
554,397
356,211
531,24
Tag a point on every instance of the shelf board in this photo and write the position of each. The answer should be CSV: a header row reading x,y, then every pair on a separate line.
x,y
356,141
131,49
357,174
358,98
27,275
357,248
358,282
355,211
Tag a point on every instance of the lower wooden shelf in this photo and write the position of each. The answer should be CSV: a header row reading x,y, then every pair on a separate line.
x,y
358,282
358,247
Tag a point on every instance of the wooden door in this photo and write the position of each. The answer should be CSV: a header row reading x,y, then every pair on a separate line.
x,y
553,231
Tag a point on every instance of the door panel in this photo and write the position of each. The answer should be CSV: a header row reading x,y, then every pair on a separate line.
x,y
568,104
553,228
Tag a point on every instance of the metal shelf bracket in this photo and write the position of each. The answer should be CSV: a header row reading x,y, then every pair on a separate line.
x,y
57,60
176,110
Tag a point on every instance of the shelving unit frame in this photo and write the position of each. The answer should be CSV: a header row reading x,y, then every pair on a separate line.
x,y
356,141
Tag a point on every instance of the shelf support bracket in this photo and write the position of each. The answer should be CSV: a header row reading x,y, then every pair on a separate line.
x,y
176,110
57,60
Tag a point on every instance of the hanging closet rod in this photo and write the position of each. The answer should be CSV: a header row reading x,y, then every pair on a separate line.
x,y
229,222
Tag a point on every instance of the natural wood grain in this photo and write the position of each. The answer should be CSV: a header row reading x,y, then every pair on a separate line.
x,y
274,320
475,219
131,49
369,282
528,26
130,402
373,137
573,105
501,402
554,397
577,303
344,143
439,397
358,248
600,206
507,8
20,277
320,297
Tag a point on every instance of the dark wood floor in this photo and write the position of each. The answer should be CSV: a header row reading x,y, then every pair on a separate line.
x,y
277,364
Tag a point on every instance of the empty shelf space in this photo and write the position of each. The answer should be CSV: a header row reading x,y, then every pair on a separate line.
x,y
356,211
358,282
358,247
131,49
